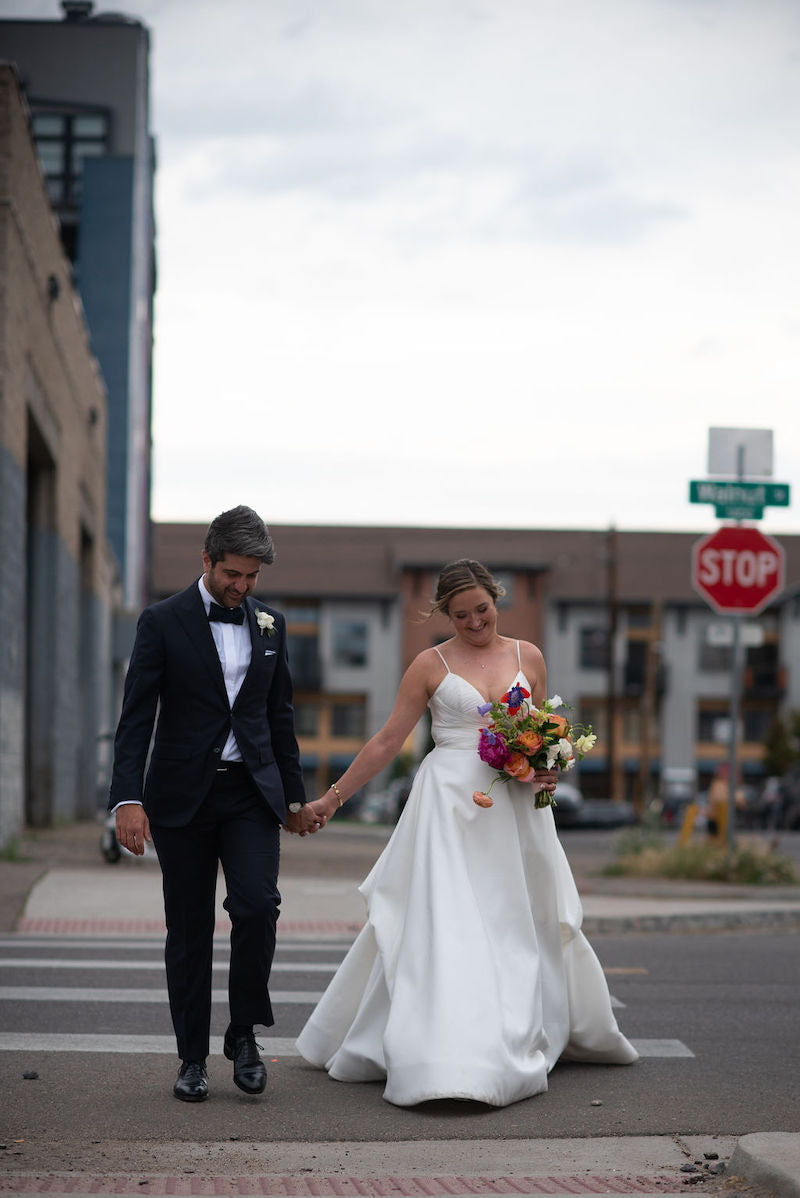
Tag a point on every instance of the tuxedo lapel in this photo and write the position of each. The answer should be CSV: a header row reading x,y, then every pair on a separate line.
x,y
256,651
192,615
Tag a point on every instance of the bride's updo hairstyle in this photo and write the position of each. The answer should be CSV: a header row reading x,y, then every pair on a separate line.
x,y
461,576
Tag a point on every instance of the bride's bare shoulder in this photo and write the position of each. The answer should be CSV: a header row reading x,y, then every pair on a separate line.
x,y
429,666
532,656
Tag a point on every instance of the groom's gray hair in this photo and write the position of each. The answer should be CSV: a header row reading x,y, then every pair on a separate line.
x,y
241,531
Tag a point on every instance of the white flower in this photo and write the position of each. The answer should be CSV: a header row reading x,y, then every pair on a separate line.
x,y
564,749
553,754
555,702
586,742
569,764
266,623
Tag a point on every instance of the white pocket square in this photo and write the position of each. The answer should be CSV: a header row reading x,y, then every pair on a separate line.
x,y
269,652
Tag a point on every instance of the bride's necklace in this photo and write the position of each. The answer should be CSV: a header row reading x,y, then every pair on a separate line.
x,y
476,661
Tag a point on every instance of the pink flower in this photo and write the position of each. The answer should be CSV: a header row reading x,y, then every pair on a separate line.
x,y
481,799
492,750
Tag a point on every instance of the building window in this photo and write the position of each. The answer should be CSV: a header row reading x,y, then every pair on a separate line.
x,y
593,713
713,659
593,648
304,661
297,612
306,717
713,723
350,642
348,719
64,140
756,722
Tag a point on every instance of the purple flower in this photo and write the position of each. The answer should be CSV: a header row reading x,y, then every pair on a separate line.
x,y
484,708
492,750
514,697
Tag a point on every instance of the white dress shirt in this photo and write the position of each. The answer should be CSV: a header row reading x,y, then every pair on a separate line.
x,y
235,650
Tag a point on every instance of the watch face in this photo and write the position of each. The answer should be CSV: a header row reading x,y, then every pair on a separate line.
x,y
295,807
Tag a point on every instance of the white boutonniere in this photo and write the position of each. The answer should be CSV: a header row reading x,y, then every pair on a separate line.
x,y
266,623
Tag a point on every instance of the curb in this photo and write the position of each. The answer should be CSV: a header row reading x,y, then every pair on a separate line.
x,y
603,925
711,921
338,1186
769,1159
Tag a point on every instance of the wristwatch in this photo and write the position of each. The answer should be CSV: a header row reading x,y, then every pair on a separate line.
x,y
295,807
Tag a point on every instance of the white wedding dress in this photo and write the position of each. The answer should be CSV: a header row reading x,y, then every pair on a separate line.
x,y
471,976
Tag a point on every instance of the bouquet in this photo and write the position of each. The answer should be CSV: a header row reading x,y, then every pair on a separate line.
x,y
520,739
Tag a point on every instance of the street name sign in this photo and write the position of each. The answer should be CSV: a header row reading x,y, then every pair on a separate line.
x,y
737,569
720,636
739,500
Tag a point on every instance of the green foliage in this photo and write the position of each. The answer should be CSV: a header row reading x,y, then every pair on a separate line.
x,y
782,744
647,834
11,851
401,766
750,863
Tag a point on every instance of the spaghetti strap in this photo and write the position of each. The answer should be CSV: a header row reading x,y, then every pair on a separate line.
x,y
444,663
519,658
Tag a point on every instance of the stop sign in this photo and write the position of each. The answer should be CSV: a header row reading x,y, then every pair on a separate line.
x,y
737,569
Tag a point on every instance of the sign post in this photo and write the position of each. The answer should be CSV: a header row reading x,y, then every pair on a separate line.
x,y
738,571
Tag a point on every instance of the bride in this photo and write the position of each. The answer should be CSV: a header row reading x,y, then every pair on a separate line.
x,y
471,977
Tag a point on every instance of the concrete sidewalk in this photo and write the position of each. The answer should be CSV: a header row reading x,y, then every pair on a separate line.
x,y
75,890
128,895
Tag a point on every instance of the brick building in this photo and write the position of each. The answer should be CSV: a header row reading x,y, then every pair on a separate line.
x,y
86,83
58,581
626,639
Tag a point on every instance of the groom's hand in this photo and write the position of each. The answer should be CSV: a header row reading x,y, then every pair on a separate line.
x,y
133,828
305,821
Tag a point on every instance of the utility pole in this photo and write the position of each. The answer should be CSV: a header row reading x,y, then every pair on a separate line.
x,y
611,698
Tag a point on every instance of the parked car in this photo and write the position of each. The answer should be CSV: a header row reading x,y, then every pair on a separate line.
x,y
678,790
386,806
569,805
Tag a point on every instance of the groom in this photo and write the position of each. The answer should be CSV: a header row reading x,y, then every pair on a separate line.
x,y
224,775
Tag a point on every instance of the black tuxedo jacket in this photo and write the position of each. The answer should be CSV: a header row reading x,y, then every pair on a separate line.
x,y
176,670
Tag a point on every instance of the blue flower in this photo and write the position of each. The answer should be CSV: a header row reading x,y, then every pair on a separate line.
x,y
484,708
514,697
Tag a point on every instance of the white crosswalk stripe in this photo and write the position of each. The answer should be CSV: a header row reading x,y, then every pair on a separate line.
x,y
85,994
71,963
275,1046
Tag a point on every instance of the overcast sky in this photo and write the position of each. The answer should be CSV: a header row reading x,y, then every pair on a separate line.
x,y
471,262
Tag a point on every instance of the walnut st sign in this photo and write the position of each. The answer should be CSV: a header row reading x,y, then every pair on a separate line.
x,y
737,569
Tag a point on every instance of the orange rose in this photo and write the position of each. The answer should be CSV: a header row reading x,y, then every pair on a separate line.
x,y
530,741
562,727
482,800
517,764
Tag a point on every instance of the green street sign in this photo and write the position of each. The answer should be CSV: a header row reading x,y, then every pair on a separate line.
x,y
739,500
737,511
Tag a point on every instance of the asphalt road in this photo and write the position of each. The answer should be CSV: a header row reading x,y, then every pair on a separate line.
x,y
729,1001
725,1005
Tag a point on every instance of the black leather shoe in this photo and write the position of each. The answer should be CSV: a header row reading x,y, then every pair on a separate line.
x,y
192,1083
249,1073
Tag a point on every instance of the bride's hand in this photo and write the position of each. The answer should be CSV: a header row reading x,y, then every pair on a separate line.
x,y
545,780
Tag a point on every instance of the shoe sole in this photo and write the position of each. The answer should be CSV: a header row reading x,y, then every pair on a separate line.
x,y
247,1089
190,1097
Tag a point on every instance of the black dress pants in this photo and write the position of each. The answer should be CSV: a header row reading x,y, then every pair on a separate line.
x,y
234,826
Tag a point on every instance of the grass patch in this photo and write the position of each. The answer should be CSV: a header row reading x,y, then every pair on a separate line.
x,y
641,853
12,851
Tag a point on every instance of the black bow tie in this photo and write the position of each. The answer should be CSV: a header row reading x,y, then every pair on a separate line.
x,y
226,615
